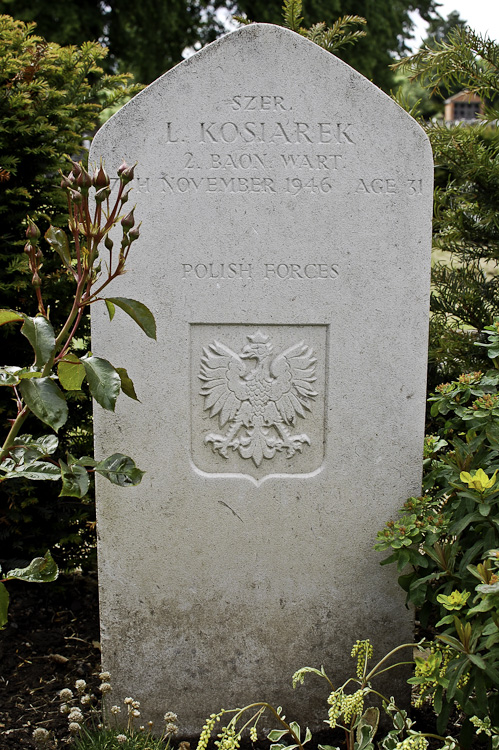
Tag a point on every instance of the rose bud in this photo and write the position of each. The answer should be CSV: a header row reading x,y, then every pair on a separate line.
x,y
32,232
101,179
128,221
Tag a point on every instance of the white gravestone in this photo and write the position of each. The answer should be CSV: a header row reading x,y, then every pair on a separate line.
x,y
285,252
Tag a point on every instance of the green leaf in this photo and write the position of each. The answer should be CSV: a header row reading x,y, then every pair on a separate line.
x,y
36,470
75,480
477,661
276,734
46,401
41,336
103,380
58,240
437,701
110,308
120,469
71,372
370,720
127,384
27,449
26,373
460,525
86,461
138,312
4,606
8,375
10,316
295,727
40,570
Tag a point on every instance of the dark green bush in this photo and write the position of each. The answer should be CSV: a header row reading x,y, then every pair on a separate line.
x,y
446,548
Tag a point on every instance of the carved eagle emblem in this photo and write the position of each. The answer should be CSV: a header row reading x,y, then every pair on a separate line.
x,y
259,403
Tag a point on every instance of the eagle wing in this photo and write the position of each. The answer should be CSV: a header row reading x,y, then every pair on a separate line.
x,y
292,388
223,387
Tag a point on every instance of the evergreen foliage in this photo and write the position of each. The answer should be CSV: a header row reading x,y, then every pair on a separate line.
x,y
389,26
465,294
331,39
150,37
145,38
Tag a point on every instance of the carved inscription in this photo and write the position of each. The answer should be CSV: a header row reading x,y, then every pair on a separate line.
x,y
269,271
258,146
257,403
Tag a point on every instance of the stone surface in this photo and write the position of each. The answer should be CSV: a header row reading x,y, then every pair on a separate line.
x,y
286,208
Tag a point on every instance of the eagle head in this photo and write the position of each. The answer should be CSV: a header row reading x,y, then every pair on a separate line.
x,y
259,347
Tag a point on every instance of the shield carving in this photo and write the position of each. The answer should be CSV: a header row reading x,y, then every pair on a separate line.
x,y
258,399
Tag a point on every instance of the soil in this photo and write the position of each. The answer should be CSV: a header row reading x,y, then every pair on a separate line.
x,y
51,640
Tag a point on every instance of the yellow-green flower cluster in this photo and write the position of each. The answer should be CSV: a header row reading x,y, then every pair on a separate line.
x,y
416,742
479,480
363,650
456,600
253,734
206,731
228,739
347,706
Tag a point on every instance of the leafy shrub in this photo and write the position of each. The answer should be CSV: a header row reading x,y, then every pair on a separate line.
x,y
51,98
449,538
34,388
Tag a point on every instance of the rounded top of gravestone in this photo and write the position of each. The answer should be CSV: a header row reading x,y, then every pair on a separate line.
x,y
267,57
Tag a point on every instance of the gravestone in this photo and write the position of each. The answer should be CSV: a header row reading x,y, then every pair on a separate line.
x,y
285,252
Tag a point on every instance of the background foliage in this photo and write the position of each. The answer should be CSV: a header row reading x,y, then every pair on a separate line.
x,y
148,38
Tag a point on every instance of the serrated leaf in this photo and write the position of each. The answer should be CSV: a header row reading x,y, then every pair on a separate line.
x,y
75,480
120,469
110,308
40,570
36,471
71,372
46,401
26,448
41,336
10,316
58,240
4,606
103,381
138,312
127,384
